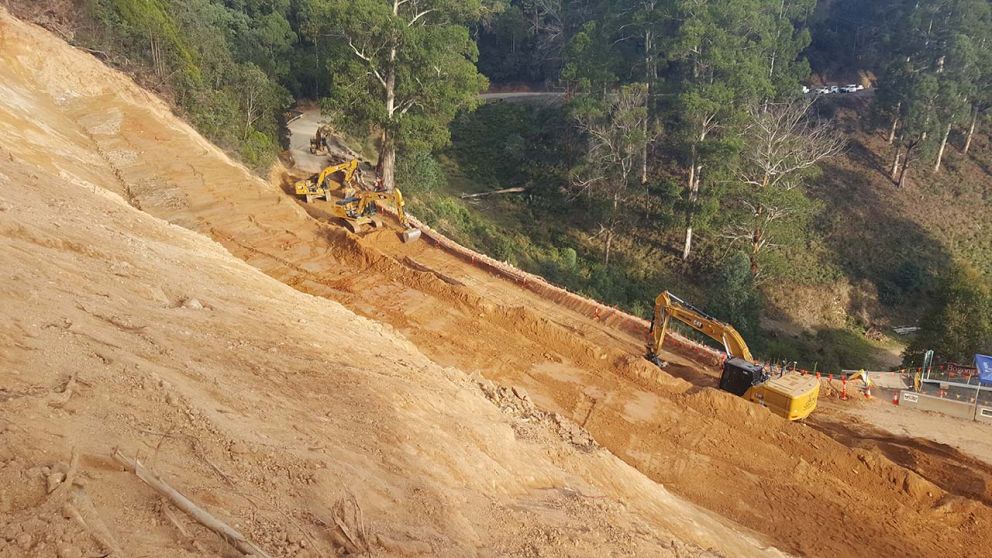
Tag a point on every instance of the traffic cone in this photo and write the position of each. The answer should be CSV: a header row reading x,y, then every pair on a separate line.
x,y
895,398
843,388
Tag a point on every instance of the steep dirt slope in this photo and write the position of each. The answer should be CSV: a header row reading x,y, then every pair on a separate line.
x,y
796,486
310,429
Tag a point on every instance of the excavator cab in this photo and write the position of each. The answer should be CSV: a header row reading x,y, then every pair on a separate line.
x,y
740,375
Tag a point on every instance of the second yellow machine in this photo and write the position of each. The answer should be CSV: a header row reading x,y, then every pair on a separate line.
x,y
790,395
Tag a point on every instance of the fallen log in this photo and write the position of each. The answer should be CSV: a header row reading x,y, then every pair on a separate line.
x,y
225,531
515,190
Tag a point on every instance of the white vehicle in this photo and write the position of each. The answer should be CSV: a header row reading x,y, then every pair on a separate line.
x,y
805,90
849,89
834,89
822,90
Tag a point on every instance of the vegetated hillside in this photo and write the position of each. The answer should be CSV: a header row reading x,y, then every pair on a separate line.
x,y
309,429
873,260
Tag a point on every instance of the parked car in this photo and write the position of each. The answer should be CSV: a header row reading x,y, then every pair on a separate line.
x,y
849,89
805,90
822,90
834,89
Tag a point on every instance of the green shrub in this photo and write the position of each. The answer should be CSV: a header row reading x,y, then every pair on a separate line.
x,y
259,150
418,173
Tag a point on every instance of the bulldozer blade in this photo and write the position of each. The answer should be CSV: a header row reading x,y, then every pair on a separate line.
x,y
410,235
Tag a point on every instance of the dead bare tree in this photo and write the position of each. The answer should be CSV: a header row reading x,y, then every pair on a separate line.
x,y
784,145
616,139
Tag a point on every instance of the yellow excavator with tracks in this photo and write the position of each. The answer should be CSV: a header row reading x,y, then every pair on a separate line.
x,y
321,185
789,395
360,209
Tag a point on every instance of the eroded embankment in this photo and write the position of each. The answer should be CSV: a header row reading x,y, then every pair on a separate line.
x,y
794,485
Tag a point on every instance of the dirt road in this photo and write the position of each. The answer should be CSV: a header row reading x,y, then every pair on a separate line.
x,y
791,484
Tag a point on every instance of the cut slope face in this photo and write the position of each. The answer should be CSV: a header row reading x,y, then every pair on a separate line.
x,y
795,486
313,431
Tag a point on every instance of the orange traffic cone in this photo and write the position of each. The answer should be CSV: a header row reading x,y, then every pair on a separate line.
x,y
895,398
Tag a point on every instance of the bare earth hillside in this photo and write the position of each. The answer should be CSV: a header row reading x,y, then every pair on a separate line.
x,y
317,431
308,428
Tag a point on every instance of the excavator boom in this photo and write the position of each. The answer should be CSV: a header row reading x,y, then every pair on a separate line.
x,y
669,306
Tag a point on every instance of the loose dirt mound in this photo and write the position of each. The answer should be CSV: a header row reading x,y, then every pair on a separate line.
x,y
796,486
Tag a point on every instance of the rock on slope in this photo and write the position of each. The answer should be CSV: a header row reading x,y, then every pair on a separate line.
x,y
313,431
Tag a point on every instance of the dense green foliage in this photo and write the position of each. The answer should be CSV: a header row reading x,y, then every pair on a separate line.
x,y
400,70
959,324
224,63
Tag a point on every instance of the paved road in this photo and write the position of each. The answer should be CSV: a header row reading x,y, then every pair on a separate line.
x,y
300,132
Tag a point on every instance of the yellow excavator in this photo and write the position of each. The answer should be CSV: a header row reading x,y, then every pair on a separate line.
x,y
789,395
321,185
360,212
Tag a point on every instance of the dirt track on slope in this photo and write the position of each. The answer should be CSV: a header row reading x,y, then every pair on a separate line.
x,y
795,486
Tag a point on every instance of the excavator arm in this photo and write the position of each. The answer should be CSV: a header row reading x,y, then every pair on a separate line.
x,y
668,306
365,204
322,183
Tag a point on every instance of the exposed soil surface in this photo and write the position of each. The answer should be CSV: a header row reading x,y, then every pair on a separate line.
x,y
268,403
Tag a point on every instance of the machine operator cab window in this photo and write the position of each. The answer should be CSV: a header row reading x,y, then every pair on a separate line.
x,y
740,375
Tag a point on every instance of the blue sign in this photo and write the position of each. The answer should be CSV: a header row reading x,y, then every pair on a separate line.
x,y
984,365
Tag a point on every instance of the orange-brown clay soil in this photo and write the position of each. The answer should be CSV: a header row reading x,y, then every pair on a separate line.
x,y
314,397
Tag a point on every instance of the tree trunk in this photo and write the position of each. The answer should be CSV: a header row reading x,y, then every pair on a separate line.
x,y
612,226
609,246
892,131
895,164
756,239
940,152
904,172
971,129
387,151
387,162
651,71
903,175
692,197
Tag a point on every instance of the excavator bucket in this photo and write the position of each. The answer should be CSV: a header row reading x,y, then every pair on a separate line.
x,y
410,235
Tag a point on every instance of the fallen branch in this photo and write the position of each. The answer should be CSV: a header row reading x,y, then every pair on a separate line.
x,y
515,190
82,510
70,475
226,532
